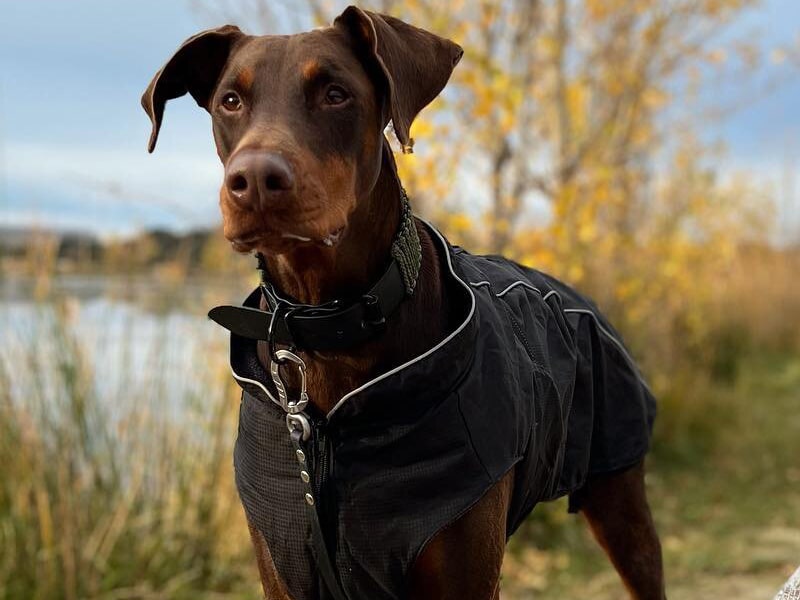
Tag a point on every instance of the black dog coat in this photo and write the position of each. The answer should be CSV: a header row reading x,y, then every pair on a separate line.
x,y
533,377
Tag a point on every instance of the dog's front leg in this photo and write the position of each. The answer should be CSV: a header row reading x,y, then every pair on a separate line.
x,y
463,561
274,589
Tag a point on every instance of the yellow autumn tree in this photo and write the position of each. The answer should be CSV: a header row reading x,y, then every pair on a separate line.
x,y
568,139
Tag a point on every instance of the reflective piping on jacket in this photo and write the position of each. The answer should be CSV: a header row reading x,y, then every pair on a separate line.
x,y
254,382
617,343
477,284
550,293
515,284
605,331
428,352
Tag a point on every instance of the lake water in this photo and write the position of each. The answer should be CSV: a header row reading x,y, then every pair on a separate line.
x,y
138,339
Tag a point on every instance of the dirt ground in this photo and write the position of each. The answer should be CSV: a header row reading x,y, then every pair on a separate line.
x,y
728,516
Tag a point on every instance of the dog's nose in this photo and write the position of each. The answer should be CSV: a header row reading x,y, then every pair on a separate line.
x,y
257,179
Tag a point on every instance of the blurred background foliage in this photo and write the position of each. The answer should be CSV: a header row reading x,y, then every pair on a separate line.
x,y
569,139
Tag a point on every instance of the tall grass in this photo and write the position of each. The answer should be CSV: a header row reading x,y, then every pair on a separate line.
x,y
116,480
128,495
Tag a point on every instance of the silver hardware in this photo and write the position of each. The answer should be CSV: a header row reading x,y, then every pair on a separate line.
x,y
309,499
284,356
301,456
299,421
304,476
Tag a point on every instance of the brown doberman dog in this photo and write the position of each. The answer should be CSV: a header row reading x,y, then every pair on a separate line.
x,y
311,184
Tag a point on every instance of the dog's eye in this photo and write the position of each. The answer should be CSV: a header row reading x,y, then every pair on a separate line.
x,y
335,95
231,102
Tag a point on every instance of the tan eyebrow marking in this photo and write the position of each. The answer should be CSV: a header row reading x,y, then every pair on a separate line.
x,y
245,78
310,69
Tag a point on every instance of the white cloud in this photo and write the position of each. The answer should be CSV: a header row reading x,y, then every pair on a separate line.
x,y
109,189
177,181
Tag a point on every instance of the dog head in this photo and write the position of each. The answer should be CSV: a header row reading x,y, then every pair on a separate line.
x,y
298,120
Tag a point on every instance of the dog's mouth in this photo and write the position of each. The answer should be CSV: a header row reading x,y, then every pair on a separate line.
x,y
284,241
330,240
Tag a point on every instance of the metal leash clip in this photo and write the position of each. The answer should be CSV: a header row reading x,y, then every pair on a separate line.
x,y
295,418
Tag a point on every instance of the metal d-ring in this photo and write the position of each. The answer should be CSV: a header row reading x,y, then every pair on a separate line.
x,y
286,356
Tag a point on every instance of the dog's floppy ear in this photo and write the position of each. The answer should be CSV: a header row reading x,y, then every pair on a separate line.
x,y
194,68
415,63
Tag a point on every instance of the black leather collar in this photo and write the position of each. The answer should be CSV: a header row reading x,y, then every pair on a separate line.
x,y
338,324
331,326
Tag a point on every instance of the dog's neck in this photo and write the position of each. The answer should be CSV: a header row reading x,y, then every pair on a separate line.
x,y
319,275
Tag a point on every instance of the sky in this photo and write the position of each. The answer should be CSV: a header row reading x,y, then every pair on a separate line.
x,y
73,135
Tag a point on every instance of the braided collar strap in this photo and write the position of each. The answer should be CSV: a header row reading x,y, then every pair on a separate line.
x,y
406,248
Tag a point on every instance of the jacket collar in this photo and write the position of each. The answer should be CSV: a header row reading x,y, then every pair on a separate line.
x,y
424,378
